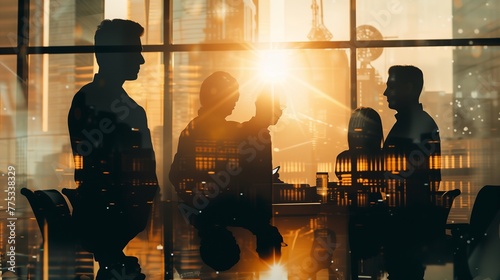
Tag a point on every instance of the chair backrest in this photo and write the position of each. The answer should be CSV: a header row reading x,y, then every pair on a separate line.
x,y
443,200
486,206
50,207
37,209
482,252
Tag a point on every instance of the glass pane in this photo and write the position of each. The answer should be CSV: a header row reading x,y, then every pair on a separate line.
x,y
9,88
8,16
313,86
54,80
11,140
315,103
461,94
68,23
220,21
404,19
476,19
12,144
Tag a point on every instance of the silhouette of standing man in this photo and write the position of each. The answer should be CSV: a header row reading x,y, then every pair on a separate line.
x,y
413,141
223,173
114,158
415,135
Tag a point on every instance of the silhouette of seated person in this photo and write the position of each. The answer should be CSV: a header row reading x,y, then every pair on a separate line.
x,y
363,164
222,172
114,158
412,150
362,167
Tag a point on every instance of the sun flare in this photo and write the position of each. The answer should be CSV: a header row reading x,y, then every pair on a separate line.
x,y
275,272
272,66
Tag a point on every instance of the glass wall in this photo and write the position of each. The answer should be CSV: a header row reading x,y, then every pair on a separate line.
x,y
9,85
73,23
307,50
402,20
8,34
259,21
316,107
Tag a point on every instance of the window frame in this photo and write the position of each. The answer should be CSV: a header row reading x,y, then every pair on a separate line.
x,y
23,50
168,48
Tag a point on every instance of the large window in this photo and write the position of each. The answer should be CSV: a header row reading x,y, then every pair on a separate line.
x,y
324,58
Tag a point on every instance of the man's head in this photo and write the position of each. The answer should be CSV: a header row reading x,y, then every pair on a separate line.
x,y
118,48
404,86
219,93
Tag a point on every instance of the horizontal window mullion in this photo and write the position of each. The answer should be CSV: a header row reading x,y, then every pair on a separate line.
x,y
270,45
429,43
8,51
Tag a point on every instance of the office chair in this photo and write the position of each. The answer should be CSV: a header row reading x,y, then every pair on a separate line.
x,y
438,244
50,208
53,216
477,251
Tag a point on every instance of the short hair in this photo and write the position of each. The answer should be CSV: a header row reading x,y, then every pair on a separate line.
x,y
408,74
218,88
116,32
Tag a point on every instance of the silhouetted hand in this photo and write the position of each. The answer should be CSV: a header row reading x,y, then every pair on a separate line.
x,y
267,108
269,243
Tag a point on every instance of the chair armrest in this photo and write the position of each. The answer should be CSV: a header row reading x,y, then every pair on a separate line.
x,y
458,230
72,195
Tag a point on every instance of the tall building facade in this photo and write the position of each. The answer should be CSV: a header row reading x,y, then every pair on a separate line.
x,y
476,91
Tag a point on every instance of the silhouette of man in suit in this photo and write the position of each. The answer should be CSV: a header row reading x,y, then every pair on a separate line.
x,y
415,135
114,158
414,142
223,173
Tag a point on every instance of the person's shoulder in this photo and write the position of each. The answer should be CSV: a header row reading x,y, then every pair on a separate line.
x,y
126,96
421,118
252,126
427,119
234,124
78,104
118,97
84,91
344,154
191,128
78,99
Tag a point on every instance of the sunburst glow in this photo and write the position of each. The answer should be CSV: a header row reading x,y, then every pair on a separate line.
x,y
275,272
272,66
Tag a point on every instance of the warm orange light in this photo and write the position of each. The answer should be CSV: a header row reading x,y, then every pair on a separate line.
x,y
272,66
221,11
276,272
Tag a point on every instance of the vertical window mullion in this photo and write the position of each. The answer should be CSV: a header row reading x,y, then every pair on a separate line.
x,y
167,194
21,105
353,51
